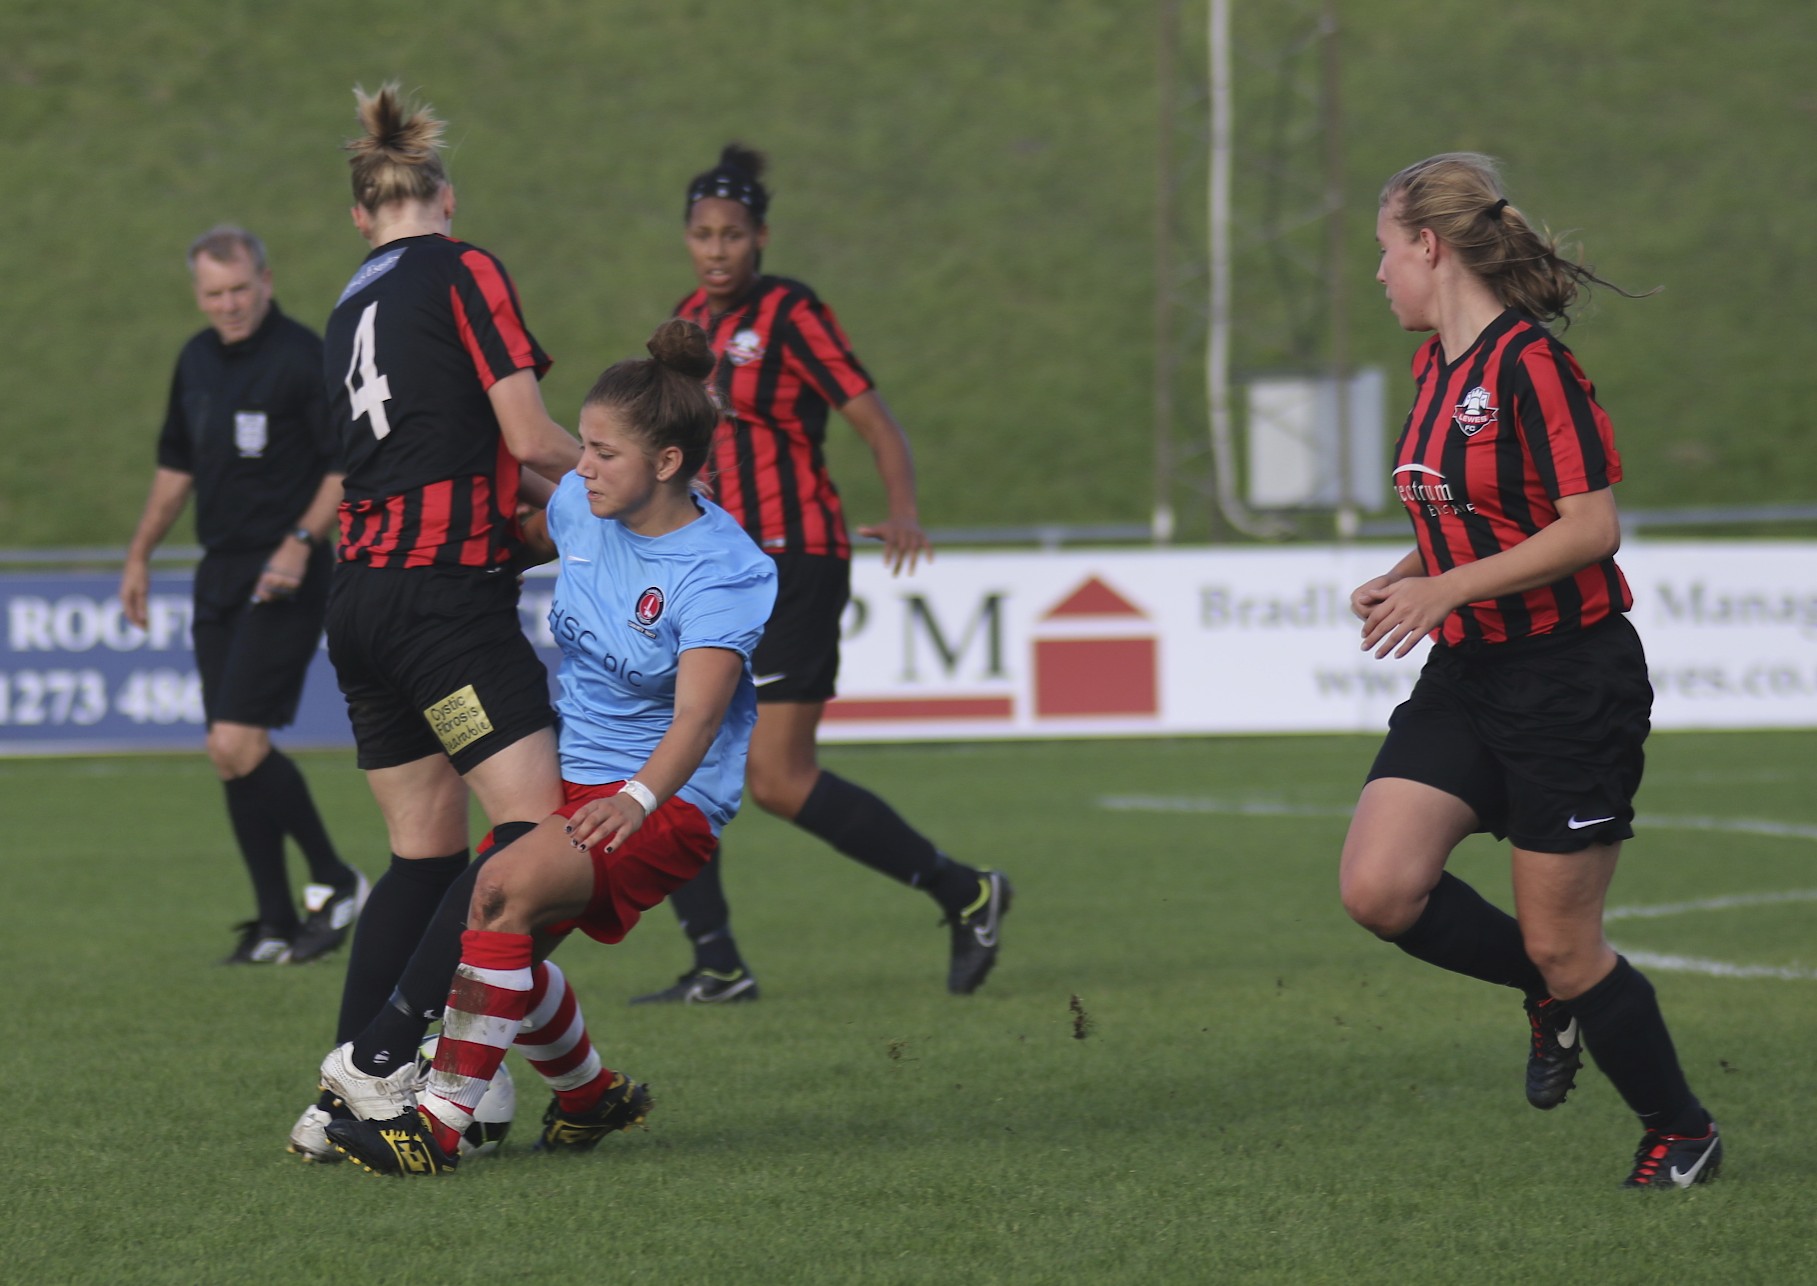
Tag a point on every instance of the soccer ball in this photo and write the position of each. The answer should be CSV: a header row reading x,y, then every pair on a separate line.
x,y
492,1118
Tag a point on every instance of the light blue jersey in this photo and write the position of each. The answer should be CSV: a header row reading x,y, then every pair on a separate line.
x,y
626,607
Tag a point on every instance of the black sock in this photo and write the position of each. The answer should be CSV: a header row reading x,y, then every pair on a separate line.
x,y
867,830
290,804
1461,931
700,905
399,908
421,994
1626,1035
261,841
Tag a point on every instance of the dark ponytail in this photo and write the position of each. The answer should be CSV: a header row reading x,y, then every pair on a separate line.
x,y
738,177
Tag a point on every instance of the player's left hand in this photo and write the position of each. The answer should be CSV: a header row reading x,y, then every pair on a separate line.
x,y
283,573
1405,612
611,820
904,543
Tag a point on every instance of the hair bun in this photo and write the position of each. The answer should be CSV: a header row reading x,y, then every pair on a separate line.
x,y
746,160
682,346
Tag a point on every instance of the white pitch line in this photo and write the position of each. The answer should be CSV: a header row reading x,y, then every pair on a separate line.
x,y
1207,805
1211,804
1717,968
1708,904
1731,825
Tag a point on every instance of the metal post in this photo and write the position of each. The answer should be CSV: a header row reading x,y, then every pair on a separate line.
x,y
1336,273
1163,520
1217,334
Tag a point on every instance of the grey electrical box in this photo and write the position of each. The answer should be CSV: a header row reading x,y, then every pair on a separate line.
x,y
1294,455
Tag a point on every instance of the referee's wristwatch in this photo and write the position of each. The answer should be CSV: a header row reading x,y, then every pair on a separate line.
x,y
305,535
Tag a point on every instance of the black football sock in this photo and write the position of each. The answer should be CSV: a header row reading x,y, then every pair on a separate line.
x,y
421,993
396,1030
867,830
700,905
1626,1035
288,799
261,841
1462,931
399,908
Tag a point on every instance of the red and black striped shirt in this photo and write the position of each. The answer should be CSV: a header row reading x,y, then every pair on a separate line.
x,y
1494,440
783,363
422,331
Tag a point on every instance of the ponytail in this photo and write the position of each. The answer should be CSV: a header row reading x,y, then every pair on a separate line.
x,y
1459,196
399,156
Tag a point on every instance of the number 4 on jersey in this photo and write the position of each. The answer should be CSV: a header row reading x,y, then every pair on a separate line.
x,y
374,389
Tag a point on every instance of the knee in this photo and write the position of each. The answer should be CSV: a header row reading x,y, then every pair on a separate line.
x,y
494,904
780,791
236,751
1385,910
1569,962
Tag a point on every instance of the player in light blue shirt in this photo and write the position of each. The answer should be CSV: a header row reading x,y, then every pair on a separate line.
x,y
660,601
628,609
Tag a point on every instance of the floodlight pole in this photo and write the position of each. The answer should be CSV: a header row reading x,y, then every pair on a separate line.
x,y
1217,334
1162,524
1349,519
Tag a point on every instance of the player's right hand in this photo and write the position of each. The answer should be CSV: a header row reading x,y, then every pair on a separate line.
x,y
135,586
609,821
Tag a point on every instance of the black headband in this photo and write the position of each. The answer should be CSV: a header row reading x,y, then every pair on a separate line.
x,y
1495,211
731,185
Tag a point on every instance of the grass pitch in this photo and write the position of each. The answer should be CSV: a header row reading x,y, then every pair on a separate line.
x,y
1189,1066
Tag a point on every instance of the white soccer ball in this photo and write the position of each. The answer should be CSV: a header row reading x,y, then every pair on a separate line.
x,y
492,1118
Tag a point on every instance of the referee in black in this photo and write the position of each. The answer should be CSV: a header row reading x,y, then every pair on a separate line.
x,y
247,431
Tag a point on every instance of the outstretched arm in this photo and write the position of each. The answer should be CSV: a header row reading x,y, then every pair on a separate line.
x,y
904,542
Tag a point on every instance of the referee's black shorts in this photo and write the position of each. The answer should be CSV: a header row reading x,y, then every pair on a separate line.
x,y
798,657
253,657
433,660
1541,737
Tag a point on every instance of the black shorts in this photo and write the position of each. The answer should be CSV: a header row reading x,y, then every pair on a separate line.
x,y
798,656
253,657
433,660
1541,737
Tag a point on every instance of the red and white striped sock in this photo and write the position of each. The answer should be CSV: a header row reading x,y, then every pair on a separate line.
x,y
553,1039
490,996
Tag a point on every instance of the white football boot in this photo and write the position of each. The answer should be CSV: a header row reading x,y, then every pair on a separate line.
x,y
309,1136
369,1097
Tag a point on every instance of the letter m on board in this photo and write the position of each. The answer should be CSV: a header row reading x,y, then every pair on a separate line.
x,y
984,630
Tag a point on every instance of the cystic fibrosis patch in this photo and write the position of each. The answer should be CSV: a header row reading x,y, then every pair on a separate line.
x,y
458,719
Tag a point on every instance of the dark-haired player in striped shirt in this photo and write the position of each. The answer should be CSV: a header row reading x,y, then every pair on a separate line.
x,y
432,378
784,366
1530,713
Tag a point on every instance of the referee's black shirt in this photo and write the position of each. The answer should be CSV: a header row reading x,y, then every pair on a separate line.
x,y
249,422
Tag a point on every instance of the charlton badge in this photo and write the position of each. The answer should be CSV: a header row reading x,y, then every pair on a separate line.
x,y
649,606
1474,414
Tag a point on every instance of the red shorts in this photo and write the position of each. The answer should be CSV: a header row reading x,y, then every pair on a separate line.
x,y
667,851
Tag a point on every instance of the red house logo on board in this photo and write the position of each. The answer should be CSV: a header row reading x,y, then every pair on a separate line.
x,y
1090,658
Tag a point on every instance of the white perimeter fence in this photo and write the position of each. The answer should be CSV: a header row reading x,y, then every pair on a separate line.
x,y
1026,644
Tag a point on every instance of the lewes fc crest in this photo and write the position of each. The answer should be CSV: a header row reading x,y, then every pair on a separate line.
x,y
745,348
1474,414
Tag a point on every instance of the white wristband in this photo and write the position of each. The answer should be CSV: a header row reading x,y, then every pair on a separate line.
x,y
641,793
